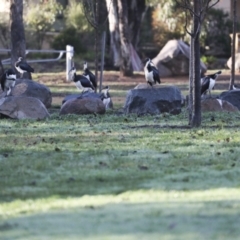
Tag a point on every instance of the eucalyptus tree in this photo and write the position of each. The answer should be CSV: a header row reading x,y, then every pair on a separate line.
x,y
125,18
18,43
234,10
97,20
196,10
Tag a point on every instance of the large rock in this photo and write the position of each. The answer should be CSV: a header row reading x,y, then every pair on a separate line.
x,y
232,96
237,62
23,108
153,101
81,96
30,88
217,105
173,59
83,106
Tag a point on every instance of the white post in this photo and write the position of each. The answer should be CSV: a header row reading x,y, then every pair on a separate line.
x,y
69,59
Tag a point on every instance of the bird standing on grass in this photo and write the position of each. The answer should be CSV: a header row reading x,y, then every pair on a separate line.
x,y
208,83
82,82
151,73
22,66
89,74
8,80
106,98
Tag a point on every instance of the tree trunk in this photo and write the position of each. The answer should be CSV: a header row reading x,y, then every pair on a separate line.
x,y
96,40
232,79
1,68
115,43
126,65
18,44
196,118
191,67
136,9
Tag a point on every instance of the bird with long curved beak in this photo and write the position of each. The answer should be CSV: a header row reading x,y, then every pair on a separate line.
x,y
82,82
208,83
22,66
89,74
151,73
8,80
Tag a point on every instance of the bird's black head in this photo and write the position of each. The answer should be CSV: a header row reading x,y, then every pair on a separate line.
x,y
71,73
20,59
10,71
217,74
146,60
105,88
85,66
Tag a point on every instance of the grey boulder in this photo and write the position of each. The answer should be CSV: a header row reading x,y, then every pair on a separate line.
x,y
217,105
153,101
232,96
81,96
237,62
30,88
23,108
173,59
83,106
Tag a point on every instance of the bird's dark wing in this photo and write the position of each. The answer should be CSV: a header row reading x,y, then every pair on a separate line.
x,y
24,66
92,78
156,76
85,82
205,85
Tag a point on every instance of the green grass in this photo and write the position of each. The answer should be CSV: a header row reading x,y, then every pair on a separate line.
x,y
119,177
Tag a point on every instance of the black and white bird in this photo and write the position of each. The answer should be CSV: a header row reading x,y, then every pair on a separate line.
x,y
22,66
151,73
235,87
89,74
208,82
82,82
8,80
106,98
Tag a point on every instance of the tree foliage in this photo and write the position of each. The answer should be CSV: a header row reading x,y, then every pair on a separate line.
x,y
75,17
41,17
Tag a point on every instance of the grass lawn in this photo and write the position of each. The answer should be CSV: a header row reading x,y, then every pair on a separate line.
x,y
117,177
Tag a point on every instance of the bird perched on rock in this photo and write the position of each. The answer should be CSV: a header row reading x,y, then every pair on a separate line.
x,y
82,82
106,98
151,73
208,82
235,87
8,80
22,66
88,73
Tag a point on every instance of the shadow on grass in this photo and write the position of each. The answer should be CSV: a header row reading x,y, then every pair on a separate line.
x,y
167,220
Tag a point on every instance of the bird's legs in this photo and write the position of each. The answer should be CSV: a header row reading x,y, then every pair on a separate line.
x,y
8,91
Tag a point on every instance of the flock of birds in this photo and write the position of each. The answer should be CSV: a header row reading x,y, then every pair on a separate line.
x,y
8,78
152,77
87,81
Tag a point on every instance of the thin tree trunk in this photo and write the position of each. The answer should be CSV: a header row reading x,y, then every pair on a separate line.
x,y
126,65
96,41
1,67
114,31
232,79
190,97
196,118
136,9
18,44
